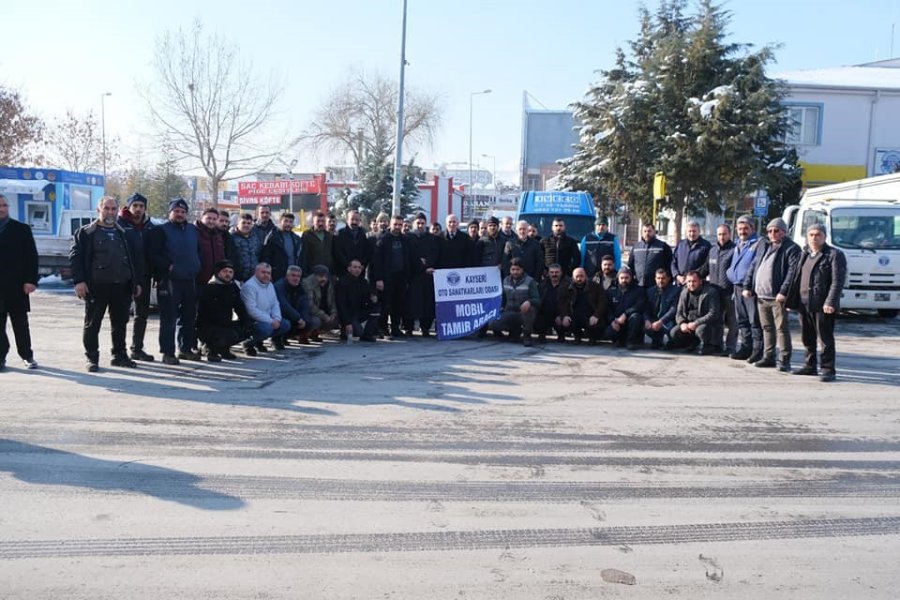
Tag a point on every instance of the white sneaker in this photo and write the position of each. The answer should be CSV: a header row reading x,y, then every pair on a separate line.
x,y
30,363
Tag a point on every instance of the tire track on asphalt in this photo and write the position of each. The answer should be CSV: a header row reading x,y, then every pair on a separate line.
x,y
104,481
451,540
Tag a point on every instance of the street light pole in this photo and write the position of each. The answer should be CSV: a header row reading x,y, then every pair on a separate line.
x,y
471,105
290,169
103,130
398,159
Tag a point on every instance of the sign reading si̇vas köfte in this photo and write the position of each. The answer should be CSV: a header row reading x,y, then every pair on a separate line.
x,y
465,300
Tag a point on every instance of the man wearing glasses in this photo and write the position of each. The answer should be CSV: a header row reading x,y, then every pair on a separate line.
x,y
770,279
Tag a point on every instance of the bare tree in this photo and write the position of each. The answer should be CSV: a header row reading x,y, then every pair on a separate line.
x,y
360,117
20,132
207,102
75,143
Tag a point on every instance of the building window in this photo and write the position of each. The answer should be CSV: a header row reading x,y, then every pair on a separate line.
x,y
803,125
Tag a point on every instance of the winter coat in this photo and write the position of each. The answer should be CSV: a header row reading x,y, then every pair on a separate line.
x,y
489,251
293,301
314,293
18,266
700,307
348,246
529,252
426,250
381,261
626,301
217,304
141,230
667,298
353,299
273,252
212,250
456,253
516,293
82,253
316,251
262,231
550,296
784,272
562,250
691,256
596,297
720,257
594,246
174,251
646,258
247,251
826,280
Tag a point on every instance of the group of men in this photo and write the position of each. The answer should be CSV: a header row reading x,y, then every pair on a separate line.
x,y
219,285
727,299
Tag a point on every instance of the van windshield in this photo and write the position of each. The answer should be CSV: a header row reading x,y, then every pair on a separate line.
x,y
576,226
872,228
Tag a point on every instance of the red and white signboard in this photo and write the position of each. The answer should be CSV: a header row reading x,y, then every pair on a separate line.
x,y
282,187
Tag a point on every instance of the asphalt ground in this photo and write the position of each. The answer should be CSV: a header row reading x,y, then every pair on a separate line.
x,y
464,469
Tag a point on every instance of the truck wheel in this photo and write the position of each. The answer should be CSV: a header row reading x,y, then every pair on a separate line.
x,y
888,313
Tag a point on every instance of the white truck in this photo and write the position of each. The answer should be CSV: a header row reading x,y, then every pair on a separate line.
x,y
862,218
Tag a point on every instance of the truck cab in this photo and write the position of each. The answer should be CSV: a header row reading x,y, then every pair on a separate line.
x,y
862,219
542,208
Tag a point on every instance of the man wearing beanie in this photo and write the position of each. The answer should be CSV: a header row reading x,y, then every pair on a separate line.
x,y
489,249
133,218
219,302
770,279
174,249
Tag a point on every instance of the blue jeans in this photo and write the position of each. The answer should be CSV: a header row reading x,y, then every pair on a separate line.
x,y
263,330
177,309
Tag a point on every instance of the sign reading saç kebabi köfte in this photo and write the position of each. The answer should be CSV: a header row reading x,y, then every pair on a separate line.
x,y
466,300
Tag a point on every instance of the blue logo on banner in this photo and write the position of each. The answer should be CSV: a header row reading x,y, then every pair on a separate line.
x,y
453,278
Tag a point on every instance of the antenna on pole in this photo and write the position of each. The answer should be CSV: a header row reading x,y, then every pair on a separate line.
x,y
892,40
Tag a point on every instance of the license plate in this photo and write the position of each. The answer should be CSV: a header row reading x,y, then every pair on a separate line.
x,y
882,297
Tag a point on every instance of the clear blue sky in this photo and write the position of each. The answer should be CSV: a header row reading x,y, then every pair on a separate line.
x,y
65,54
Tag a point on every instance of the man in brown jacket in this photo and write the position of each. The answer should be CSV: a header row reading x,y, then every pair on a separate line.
x,y
583,308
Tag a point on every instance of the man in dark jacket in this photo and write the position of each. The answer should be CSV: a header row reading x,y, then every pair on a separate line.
x,y
357,304
548,316
107,271
18,280
626,312
282,247
489,248
456,246
561,249
583,308
596,245
720,256
350,243
690,254
607,276
212,244
528,251
133,218
520,304
393,266
294,303
220,301
816,293
264,224
224,227
770,279
659,313
697,317
175,253
248,248
745,310
318,244
426,251
647,255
